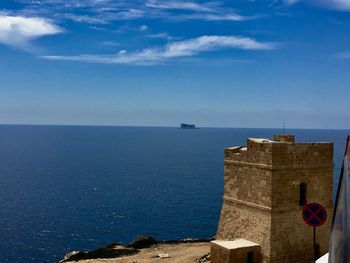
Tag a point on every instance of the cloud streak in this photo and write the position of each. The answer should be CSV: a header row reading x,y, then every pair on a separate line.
x,y
339,5
214,17
173,50
106,11
18,31
180,5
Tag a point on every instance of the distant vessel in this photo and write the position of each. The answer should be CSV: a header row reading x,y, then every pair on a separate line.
x,y
188,126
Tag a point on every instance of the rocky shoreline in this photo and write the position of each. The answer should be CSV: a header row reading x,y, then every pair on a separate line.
x,y
145,249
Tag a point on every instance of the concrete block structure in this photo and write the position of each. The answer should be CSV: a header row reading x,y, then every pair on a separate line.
x,y
266,185
237,251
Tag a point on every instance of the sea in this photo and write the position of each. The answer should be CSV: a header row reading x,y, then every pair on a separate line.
x,y
65,188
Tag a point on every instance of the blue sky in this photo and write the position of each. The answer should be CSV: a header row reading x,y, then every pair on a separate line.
x,y
237,63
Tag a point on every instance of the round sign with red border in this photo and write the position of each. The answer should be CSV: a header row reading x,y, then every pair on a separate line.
x,y
314,214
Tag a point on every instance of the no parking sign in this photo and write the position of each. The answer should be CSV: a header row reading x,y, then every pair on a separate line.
x,y
314,214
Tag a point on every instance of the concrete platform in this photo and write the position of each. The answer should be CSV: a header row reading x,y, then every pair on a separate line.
x,y
236,251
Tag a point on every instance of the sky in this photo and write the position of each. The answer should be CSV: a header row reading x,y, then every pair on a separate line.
x,y
241,63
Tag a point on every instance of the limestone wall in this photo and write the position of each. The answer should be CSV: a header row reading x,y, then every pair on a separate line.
x,y
239,220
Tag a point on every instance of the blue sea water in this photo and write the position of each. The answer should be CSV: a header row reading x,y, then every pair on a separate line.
x,y
65,188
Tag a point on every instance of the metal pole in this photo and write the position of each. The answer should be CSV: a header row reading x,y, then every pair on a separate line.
x,y
315,252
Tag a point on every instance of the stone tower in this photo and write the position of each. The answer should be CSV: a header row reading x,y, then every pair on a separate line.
x,y
266,185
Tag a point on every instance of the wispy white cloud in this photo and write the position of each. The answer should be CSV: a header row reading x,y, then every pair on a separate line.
x,y
209,11
83,11
214,17
180,5
160,35
110,43
340,5
106,11
84,19
291,2
178,49
19,31
103,17
143,28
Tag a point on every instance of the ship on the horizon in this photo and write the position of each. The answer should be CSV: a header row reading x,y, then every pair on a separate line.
x,y
188,126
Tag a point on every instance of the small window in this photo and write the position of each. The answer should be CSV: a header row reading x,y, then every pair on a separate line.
x,y
250,257
302,194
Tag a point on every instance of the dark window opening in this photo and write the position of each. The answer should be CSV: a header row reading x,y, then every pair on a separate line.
x,y
302,194
250,257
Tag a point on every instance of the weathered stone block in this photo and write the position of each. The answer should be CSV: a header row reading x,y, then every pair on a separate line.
x,y
236,251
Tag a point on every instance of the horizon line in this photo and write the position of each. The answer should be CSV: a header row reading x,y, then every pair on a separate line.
x,y
161,126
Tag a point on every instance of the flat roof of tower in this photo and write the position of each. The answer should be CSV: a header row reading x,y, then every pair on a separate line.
x,y
237,243
261,140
